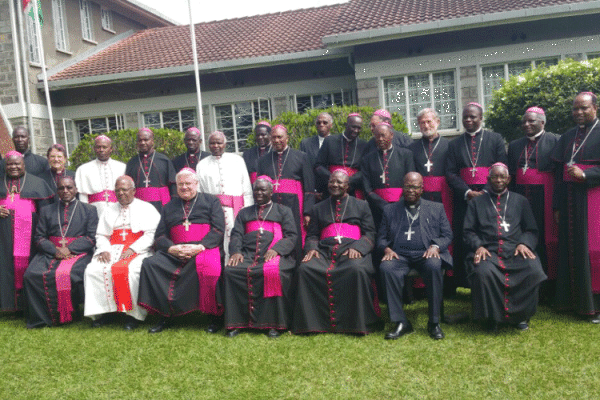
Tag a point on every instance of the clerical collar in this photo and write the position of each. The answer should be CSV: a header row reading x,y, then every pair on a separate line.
x,y
388,149
283,151
148,154
321,140
413,206
345,137
196,152
581,126
340,199
72,200
537,135
498,194
426,139
266,204
102,162
472,134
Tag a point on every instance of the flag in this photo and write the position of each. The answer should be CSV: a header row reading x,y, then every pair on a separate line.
x,y
28,8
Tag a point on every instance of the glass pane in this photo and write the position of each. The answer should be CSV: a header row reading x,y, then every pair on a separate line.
x,y
518,68
152,120
419,94
261,111
591,56
322,101
444,99
395,95
547,61
112,123
347,97
83,127
303,103
188,118
243,123
99,125
492,77
337,99
224,120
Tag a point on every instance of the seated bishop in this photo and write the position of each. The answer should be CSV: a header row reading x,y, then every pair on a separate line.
x,y
65,240
184,273
504,272
258,276
334,290
124,237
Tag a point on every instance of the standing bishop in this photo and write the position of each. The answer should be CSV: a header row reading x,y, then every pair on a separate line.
x,y
192,140
262,135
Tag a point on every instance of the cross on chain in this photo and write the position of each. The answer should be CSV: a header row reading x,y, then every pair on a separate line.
x,y
261,230
12,197
473,172
187,224
525,168
147,181
505,225
338,238
409,233
123,234
106,196
382,176
63,242
276,185
428,165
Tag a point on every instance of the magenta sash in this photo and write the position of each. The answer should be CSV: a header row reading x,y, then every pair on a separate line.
x,y
350,171
23,208
391,195
103,196
546,179
208,265
154,194
253,176
480,178
439,184
593,226
63,281
346,230
291,186
235,202
272,286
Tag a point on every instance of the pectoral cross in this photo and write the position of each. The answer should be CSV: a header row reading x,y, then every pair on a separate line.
x,y
63,242
338,238
106,196
147,181
261,230
409,233
570,163
505,225
525,168
382,176
276,185
12,196
473,172
428,165
187,224
123,234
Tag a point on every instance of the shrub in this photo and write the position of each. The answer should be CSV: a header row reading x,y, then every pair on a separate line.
x,y
552,88
301,126
166,141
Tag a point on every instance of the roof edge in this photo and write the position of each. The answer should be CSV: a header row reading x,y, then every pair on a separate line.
x,y
158,16
403,31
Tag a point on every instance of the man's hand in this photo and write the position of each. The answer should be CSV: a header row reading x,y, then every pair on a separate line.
x,y
306,220
104,257
576,172
235,259
270,254
389,255
126,254
178,252
481,254
471,194
62,253
311,254
524,251
351,253
432,251
4,212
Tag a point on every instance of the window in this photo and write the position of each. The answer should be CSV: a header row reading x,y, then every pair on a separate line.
x,y
407,95
33,43
492,75
99,125
176,119
237,120
59,17
326,100
71,135
591,56
107,20
85,10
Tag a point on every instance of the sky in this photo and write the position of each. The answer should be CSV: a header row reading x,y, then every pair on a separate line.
x,y
212,10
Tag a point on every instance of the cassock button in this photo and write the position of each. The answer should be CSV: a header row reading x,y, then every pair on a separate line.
x,y
505,308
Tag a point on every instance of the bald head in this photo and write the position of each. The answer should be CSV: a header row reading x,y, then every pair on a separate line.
x,y
584,108
412,189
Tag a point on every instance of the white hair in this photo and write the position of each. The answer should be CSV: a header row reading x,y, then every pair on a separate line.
x,y
218,134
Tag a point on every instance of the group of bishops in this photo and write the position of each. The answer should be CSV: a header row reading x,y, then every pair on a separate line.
x,y
305,240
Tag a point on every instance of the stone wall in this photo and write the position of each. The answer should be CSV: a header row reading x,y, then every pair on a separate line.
x,y
468,84
8,77
368,93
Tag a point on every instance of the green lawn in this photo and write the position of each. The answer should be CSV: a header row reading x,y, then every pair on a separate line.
x,y
558,358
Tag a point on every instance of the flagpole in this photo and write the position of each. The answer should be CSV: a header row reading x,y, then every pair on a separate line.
x,y
197,75
38,30
25,68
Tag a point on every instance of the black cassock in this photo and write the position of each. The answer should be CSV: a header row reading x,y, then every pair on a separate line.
x,y
293,165
334,293
36,192
504,288
56,177
310,146
188,159
399,140
435,153
382,171
40,278
251,157
538,154
35,165
337,152
245,303
169,286
464,153
578,279
161,174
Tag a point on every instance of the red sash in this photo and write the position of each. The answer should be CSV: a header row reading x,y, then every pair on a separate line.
x,y
63,281
593,226
235,202
345,230
291,186
438,184
23,208
208,265
480,178
120,269
391,195
350,171
153,194
272,286
106,195
546,179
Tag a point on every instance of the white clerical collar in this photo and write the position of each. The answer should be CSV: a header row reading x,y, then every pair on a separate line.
x,y
321,140
537,135
102,162
283,151
388,149
346,137
472,134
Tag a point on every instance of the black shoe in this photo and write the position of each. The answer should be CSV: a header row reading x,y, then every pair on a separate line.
x,y
233,333
130,323
273,333
161,326
435,331
103,320
523,325
213,328
594,319
401,329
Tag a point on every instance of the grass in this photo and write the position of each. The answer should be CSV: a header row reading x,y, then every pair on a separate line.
x,y
558,358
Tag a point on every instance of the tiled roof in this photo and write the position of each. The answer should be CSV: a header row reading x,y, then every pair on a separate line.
x,y
248,37
278,33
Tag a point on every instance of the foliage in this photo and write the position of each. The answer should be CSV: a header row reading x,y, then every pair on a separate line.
x,y
166,141
301,126
552,88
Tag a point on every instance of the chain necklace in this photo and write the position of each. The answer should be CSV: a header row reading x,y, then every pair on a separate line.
x,y
411,220
575,151
278,175
429,164
63,241
353,155
528,154
383,168
337,229
11,192
260,226
186,216
504,224
474,162
147,175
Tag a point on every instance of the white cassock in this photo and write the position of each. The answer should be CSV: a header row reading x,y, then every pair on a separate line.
x,y
227,178
139,216
95,177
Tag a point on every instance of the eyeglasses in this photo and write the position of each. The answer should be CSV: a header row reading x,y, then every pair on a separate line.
x,y
411,187
322,122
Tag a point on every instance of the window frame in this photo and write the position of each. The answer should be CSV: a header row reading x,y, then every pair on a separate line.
x,y
106,20
254,103
87,25
59,20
